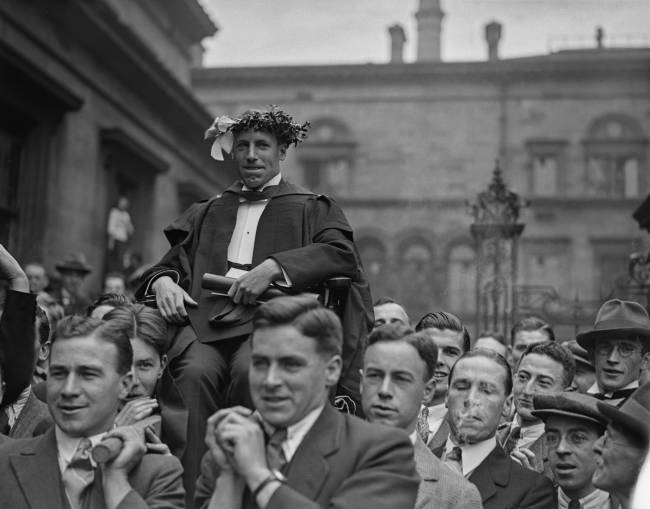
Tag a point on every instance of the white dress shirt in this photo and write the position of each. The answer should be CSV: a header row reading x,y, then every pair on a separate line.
x,y
67,445
436,416
473,454
529,434
594,389
597,499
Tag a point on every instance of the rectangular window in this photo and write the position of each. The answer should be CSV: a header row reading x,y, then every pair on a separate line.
x,y
546,166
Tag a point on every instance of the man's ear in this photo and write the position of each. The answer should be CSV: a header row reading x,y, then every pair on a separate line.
x,y
333,370
645,361
283,152
126,383
507,407
44,351
163,365
429,392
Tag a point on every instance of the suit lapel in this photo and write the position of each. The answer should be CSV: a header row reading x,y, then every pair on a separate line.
x,y
425,461
37,471
439,438
492,472
309,468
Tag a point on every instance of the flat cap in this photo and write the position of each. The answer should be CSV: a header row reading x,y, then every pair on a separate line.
x,y
568,404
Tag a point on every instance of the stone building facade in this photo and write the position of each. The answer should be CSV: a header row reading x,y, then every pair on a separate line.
x,y
403,147
95,103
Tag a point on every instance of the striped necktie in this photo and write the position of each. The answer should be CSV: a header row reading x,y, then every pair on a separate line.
x,y
79,474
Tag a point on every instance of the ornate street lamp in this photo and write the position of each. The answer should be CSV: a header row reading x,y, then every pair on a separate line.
x,y
496,231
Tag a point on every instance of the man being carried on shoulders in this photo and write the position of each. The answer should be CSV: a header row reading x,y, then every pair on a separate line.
x,y
261,230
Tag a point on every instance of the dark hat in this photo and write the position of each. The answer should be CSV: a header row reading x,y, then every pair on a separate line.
x,y
634,414
580,355
619,318
569,404
74,262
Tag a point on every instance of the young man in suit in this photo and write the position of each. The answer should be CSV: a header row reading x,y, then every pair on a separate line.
x,y
544,368
573,424
397,379
480,384
262,229
619,343
452,340
89,375
313,456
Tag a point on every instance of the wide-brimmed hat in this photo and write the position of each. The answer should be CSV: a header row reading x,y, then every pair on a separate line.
x,y
580,355
619,318
634,414
568,404
74,262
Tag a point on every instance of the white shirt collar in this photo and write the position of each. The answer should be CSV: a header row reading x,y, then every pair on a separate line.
x,y
67,445
413,436
594,389
296,432
529,434
473,454
597,499
272,182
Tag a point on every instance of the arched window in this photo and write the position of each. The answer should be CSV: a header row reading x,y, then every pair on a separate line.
x,y
417,292
461,282
327,157
615,157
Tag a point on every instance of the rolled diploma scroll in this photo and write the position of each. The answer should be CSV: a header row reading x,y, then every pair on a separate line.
x,y
108,449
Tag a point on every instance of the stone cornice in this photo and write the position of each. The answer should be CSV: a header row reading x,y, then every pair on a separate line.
x,y
572,65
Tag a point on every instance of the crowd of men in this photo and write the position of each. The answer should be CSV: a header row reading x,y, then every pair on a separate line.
x,y
267,384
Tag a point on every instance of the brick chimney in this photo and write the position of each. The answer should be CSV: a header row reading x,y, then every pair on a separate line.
x,y
493,37
397,40
429,20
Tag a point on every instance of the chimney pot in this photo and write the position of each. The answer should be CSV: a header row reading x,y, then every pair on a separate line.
x,y
397,40
429,21
493,32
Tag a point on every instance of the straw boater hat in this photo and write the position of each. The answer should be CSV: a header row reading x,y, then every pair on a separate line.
x,y
617,318
633,416
568,404
74,263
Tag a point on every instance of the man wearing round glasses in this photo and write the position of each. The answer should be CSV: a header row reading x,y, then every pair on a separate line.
x,y
619,344
573,424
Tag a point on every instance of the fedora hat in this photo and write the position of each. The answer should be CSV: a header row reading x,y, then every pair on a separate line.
x,y
74,263
621,318
568,404
633,416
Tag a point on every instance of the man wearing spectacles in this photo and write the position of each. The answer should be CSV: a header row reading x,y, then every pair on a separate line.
x,y
619,344
573,424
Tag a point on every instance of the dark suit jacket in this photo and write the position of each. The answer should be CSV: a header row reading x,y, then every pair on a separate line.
x,y
17,343
538,448
34,419
342,462
31,479
505,484
441,488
